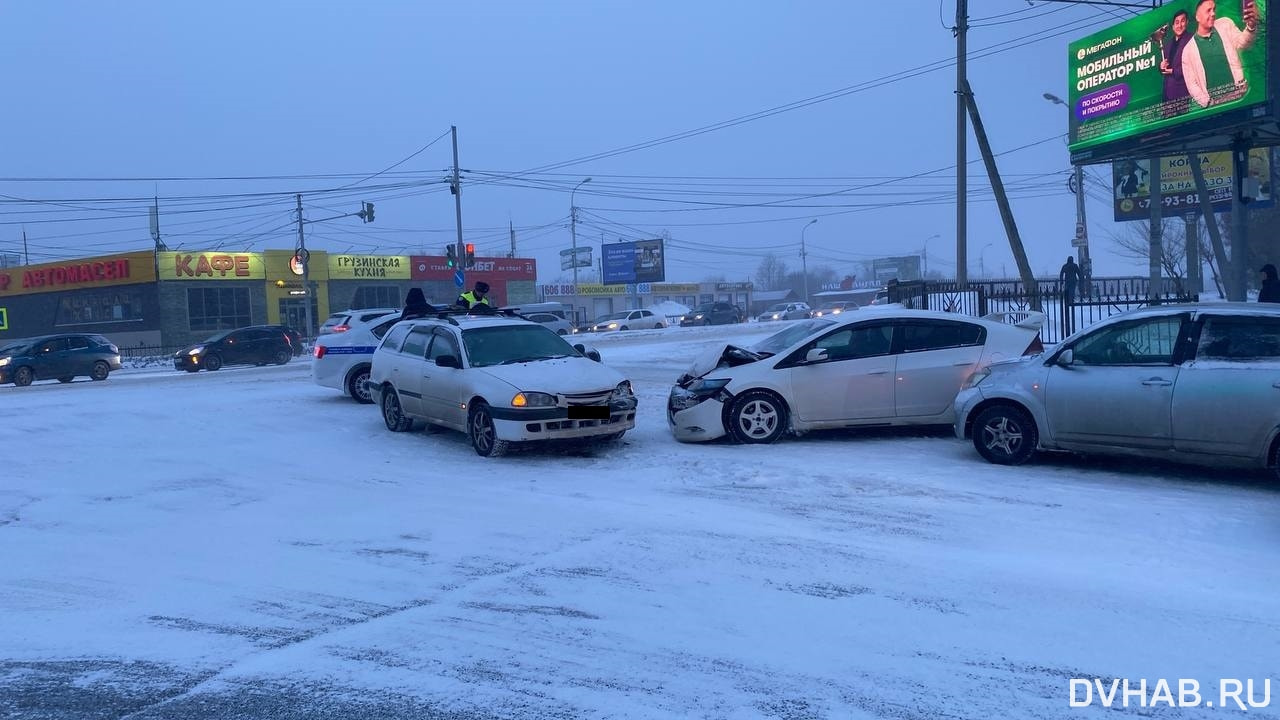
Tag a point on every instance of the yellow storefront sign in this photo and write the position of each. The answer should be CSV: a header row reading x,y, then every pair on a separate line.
x,y
673,288
211,266
362,267
602,289
125,269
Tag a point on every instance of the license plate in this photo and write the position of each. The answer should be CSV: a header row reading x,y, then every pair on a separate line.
x,y
588,412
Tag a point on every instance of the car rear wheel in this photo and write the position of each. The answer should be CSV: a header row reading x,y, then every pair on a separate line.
x,y
658,326
213,362
624,327
484,436
281,357
23,377
357,386
758,416
66,379
100,371
1005,435
392,415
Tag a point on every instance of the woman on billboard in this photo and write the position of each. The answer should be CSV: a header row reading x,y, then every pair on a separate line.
x,y
1211,60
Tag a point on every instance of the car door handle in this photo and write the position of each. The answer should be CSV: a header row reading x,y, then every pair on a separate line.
x,y
878,372
1157,382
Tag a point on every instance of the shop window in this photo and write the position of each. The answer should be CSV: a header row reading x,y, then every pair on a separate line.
x,y
211,309
375,296
101,306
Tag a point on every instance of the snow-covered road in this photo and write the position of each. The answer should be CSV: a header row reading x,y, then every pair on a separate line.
x,y
245,544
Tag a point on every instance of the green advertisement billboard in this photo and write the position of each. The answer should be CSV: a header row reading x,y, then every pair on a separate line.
x,y
1190,62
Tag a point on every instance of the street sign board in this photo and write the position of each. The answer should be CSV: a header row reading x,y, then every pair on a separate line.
x,y
458,278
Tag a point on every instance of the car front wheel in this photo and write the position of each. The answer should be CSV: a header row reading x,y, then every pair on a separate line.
x,y
100,371
213,362
757,416
23,377
1005,435
484,435
392,415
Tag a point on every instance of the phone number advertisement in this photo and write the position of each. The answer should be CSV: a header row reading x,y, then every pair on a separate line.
x,y
1229,694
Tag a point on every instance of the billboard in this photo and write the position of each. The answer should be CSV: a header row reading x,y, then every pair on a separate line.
x,y
640,261
1131,184
903,269
1203,64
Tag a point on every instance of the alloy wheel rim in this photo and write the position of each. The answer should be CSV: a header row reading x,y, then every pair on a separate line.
x,y
758,419
1002,435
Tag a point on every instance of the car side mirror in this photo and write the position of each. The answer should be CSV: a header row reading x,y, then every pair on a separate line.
x,y
449,361
1066,358
589,352
816,355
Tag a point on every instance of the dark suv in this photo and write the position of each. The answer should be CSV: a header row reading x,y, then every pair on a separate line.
x,y
713,313
256,345
63,357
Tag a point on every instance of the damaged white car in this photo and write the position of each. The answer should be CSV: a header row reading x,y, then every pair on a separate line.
x,y
896,367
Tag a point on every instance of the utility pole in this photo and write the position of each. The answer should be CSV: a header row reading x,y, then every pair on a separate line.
x,y
456,187
1155,248
804,262
962,140
305,258
1002,201
512,229
573,232
1240,218
1082,234
26,256
1210,221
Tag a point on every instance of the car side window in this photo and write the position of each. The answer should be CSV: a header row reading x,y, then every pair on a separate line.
x,y
55,345
853,343
381,329
442,344
1239,338
921,336
395,337
78,343
416,344
1148,341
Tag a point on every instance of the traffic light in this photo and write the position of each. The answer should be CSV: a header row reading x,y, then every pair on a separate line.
x,y
471,255
367,213
451,252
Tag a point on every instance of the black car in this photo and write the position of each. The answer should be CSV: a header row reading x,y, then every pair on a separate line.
x,y
63,357
713,313
255,345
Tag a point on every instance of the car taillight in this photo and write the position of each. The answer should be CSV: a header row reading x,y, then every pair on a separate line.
x,y
1035,348
341,328
319,351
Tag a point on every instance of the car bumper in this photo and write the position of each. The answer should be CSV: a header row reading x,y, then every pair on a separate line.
x,y
555,423
698,423
329,375
965,402
186,362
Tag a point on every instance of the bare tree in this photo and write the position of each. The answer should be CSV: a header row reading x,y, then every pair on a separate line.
x,y
1134,241
771,274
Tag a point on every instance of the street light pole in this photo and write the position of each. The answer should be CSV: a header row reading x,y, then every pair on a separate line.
x,y
804,262
573,230
982,261
1082,228
924,257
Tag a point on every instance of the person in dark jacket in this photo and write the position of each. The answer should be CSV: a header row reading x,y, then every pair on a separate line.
x,y
1069,276
415,305
1270,292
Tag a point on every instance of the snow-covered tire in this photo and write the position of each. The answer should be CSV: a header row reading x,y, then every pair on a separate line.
x,y
483,433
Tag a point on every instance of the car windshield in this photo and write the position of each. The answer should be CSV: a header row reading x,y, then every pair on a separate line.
x,y
777,308
705,308
509,344
780,341
616,316
218,336
13,348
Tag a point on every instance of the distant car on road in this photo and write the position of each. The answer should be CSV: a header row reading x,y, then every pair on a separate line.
x,y
785,311
627,320
713,313
834,308
254,345
895,367
552,322
1195,383
63,357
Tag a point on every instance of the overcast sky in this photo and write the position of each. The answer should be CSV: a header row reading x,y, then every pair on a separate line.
x,y
162,97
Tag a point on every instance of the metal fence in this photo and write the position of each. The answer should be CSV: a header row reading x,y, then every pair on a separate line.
x,y
1096,300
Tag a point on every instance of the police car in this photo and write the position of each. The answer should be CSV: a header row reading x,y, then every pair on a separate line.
x,y
499,380
342,359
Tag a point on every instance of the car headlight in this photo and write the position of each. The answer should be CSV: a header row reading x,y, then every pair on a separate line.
x,y
698,316
775,316
623,391
5,361
533,399
196,350
707,387
976,378
612,325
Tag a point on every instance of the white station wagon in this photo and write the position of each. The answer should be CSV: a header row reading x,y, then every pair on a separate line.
x,y
498,379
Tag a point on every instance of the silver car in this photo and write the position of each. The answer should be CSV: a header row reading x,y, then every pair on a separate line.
x,y
1200,383
785,311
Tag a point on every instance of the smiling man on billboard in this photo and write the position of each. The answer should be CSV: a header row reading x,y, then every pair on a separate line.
x,y
1211,61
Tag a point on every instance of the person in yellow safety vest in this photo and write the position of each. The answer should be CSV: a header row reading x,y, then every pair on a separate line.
x,y
475,298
